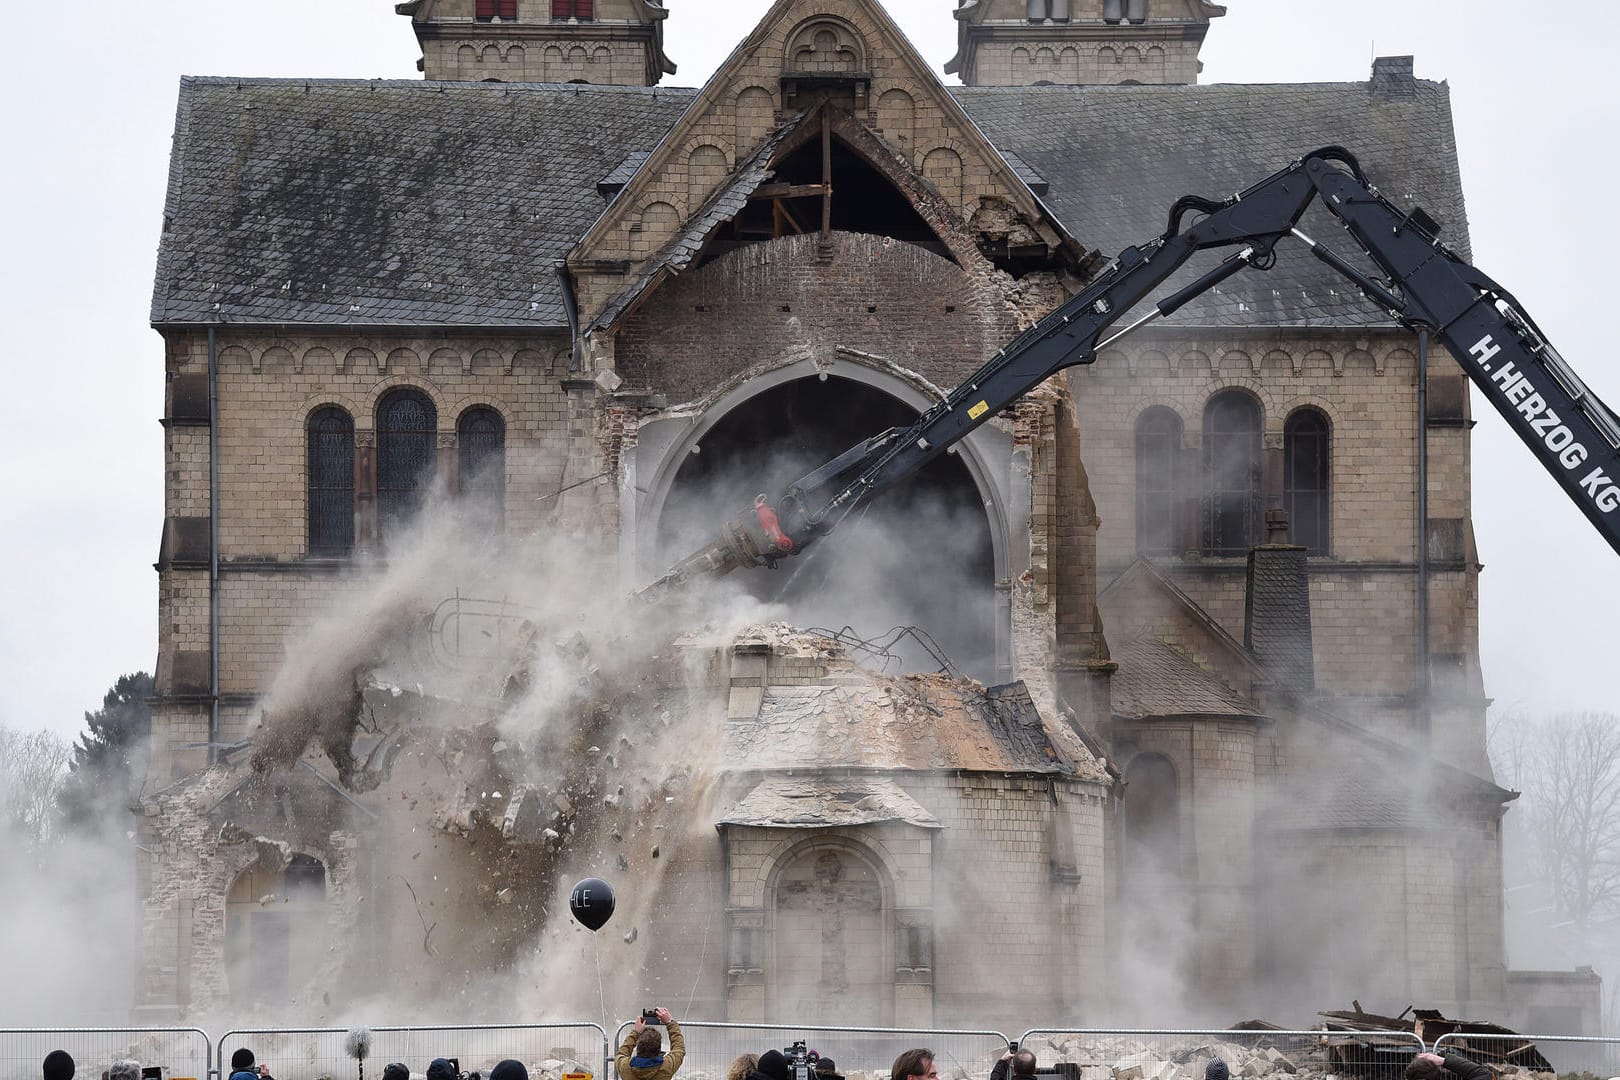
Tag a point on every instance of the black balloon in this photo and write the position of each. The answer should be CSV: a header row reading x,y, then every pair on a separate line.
x,y
592,903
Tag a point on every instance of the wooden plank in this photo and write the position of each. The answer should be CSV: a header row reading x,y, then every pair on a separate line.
x,y
787,191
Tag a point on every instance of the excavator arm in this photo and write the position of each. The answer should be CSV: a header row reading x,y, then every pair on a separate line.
x,y
1423,285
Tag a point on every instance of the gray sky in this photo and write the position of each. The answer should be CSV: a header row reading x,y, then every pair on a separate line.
x,y
91,88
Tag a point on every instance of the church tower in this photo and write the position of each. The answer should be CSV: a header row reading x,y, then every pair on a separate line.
x,y
1032,42
617,42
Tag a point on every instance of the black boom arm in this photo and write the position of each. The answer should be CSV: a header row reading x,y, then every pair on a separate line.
x,y
1424,285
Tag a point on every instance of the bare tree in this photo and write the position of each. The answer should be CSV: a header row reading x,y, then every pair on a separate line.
x,y
1569,768
33,766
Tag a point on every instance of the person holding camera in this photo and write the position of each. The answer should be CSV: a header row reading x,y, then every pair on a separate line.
x,y
1022,1063
243,1067
641,1056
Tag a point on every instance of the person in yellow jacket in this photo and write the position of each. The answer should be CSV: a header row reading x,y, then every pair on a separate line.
x,y
641,1055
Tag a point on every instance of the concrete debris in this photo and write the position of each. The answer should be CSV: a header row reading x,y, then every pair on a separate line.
x,y
273,854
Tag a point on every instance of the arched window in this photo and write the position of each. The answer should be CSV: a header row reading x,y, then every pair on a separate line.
x,y
407,441
489,10
1132,11
1231,473
1305,479
1158,448
330,478
481,453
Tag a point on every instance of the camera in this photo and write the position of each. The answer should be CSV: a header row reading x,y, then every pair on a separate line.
x,y
650,1016
801,1061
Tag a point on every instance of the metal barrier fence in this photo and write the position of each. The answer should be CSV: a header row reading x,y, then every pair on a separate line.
x,y
711,1047
1511,1054
180,1052
316,1053
1170,1054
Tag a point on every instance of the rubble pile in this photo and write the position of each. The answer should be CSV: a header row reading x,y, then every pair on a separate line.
x,y
1124,1058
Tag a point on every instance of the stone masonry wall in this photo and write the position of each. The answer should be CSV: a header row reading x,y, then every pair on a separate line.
x,y
781,298
268,388
1364,590
471,58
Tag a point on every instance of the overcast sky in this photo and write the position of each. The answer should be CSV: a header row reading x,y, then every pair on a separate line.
x,y
90,93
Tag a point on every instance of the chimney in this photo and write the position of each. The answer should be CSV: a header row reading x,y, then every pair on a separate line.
x,y
1392,78
1277,609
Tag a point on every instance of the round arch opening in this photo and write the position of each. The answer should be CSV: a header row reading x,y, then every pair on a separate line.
x,y
920,556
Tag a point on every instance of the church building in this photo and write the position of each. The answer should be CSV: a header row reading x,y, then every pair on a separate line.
x,y
1218,589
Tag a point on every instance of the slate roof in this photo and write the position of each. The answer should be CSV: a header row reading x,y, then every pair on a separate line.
x,y
1117,157
1382,786
870,721
381,203
1156,679
377,203
1277,615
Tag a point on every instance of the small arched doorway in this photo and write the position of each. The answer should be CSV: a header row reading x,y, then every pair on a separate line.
x,y
921,555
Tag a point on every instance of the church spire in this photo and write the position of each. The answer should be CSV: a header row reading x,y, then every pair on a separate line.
x,y
1025,42
617,42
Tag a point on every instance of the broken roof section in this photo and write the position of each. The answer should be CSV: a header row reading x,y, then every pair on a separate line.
x,y
662,215
722,206
818,710
785,802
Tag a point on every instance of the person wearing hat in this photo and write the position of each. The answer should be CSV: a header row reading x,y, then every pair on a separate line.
x,y
1021,1062
441,1069
773,1065
243,1067
59,1065
1216,1069
509,1070
827,1069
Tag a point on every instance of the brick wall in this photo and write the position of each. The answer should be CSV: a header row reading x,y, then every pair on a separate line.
x,y
472,57
776,300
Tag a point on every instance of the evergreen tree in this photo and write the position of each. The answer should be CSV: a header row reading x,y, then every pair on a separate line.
x,y
109,758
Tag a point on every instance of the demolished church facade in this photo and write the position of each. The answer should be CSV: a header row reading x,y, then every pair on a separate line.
x,y
1234,736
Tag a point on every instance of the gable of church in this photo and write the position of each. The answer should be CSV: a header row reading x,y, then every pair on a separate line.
x,y
841,65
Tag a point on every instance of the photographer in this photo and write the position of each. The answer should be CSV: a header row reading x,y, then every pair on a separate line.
x,y
641,1055
1021,1062
243,1067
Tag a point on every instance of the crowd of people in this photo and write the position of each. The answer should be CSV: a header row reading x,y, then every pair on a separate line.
x,y
643,1056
